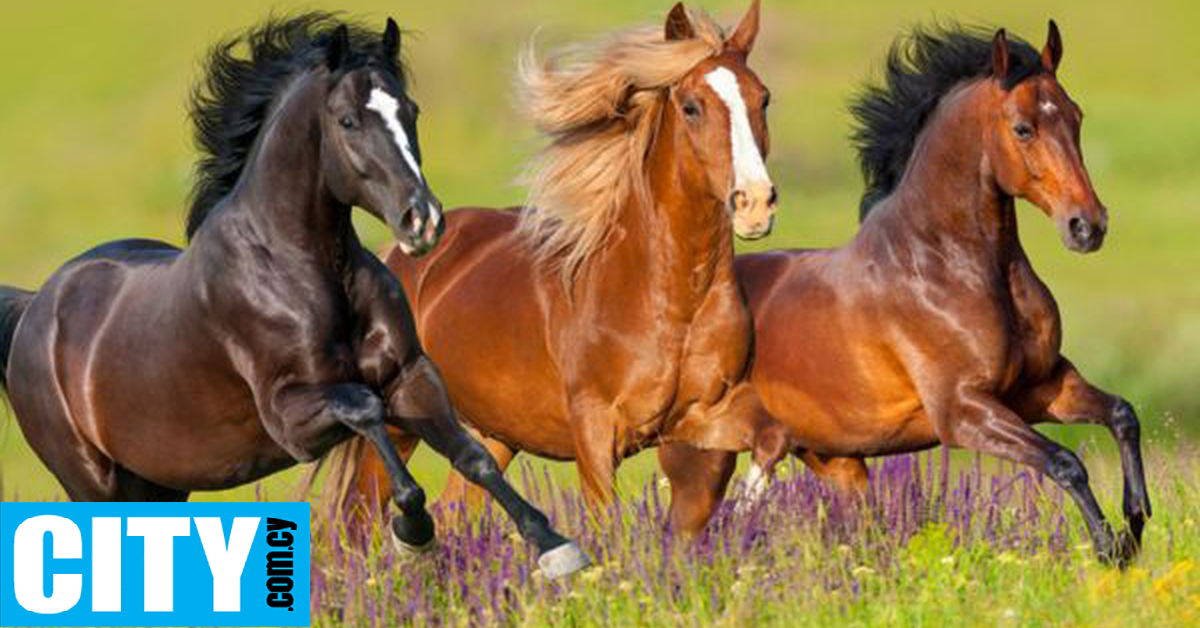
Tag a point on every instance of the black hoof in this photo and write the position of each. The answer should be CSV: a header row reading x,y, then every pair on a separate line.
x,y
1121,551
413,532
1137,524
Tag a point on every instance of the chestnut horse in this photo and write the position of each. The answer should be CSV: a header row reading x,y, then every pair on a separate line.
x,y
931,326
142,372
605,316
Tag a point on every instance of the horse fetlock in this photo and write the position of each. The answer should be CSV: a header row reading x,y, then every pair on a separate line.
x,y
410,499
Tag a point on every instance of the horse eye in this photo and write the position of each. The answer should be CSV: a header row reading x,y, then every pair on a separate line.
x,y
766,101
691,109
1023,130
347,122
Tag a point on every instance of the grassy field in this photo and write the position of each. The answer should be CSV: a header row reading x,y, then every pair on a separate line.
x,y
94,146
931,545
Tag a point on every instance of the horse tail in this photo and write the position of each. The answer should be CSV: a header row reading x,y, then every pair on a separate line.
x,y
13,303
338,494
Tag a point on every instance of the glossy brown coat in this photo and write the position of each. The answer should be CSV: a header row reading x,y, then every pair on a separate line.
x,y
652,335
931,326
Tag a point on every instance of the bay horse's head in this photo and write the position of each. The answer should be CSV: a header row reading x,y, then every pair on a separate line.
x,y
1032,145
371,157
723,107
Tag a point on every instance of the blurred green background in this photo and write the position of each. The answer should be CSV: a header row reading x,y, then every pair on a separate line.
x,y
95,145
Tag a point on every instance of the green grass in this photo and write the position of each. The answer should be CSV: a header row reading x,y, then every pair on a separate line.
x,y
94,144
803,557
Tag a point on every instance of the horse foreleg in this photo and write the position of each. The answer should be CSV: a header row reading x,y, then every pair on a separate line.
x,y
467,496
306,427
849,475
698,480
593,428
1068,398
418,401
370,485
981,423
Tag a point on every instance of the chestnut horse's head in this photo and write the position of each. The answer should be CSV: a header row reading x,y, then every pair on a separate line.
x,y
612,108
723,108
1032,145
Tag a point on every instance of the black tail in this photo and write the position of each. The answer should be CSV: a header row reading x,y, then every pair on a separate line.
x,y
13,303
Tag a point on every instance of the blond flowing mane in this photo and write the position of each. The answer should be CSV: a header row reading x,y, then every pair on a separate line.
x,y
598,104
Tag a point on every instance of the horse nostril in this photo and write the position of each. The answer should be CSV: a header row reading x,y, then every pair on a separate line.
x,y
736,198
411,221
1080,229
773,200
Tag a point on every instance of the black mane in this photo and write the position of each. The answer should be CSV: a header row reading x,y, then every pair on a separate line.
x,y
922,66
229,104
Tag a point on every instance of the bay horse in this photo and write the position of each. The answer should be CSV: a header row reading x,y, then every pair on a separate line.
x,y
141,372
604,316
931,326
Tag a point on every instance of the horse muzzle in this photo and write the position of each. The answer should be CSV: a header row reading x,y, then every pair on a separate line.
x,y
419,227
753,210
1082,233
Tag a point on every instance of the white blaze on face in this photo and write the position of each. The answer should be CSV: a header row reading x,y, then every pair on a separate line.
x,y
748,166
1049,108
388,108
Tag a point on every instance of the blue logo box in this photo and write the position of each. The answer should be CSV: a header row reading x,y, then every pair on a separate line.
x,y
154,564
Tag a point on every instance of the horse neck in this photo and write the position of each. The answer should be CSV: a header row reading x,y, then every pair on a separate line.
x,y
947,198
282,193
682,234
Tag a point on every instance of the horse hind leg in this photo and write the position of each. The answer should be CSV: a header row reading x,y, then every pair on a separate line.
x,y
86,473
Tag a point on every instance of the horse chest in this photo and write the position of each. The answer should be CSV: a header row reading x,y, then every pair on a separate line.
x,y
713,353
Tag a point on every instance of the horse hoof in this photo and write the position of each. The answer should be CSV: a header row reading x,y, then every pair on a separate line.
x,y
409,548
1126,548
563,560
1121,550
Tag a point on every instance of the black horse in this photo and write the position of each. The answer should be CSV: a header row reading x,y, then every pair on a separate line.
x,y
142,372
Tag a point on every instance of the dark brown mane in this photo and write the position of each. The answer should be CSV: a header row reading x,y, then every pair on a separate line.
x,y
922,66
230,102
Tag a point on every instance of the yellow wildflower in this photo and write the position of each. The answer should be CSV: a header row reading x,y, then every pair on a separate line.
x,y
1172,579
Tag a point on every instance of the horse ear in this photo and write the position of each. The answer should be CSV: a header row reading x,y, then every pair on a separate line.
x,y
338,48
1000,55
743,37
391,40
679,25
1052,53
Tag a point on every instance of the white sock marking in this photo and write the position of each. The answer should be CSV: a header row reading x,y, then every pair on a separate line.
x,y
753,487
388,108
748,166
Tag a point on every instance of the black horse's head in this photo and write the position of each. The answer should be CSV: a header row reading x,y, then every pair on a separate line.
x,y
370,154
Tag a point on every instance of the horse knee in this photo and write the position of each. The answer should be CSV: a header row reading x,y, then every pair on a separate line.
x,y
1067,470
1124,422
